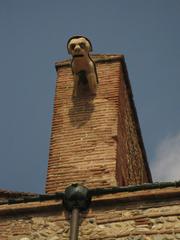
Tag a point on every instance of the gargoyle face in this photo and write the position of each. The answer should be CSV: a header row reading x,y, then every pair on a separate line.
x,y
79,46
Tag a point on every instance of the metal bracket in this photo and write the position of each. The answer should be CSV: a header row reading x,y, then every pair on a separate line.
x,y
76,196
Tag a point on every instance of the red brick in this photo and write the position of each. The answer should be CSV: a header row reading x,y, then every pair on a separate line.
x,y
96,141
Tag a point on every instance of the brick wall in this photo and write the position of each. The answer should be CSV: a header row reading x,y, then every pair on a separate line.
x,y
125,216
95,140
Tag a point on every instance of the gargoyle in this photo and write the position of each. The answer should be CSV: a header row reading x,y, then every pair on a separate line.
x,y
83,67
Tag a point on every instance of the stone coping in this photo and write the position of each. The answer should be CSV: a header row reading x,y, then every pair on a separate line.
x,y
97,58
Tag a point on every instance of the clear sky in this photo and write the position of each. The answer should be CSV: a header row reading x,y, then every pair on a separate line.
x,y
33,35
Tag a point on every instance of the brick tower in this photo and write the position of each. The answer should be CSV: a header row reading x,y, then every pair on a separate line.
x,y
95,142
96,139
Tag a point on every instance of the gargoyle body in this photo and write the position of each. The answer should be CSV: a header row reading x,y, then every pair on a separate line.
x,y
83,67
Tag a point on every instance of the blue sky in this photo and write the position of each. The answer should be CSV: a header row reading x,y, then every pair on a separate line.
x,y
33,35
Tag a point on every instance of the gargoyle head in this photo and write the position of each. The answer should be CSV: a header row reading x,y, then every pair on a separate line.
x,y
79,46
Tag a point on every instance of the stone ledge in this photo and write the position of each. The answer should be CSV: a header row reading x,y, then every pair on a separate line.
x,y
30,207
97,58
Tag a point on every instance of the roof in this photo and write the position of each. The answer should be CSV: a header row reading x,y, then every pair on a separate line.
x,y
128,197
96,192
6,194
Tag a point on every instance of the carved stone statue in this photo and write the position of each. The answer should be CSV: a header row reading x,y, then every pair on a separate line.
x,y
83,67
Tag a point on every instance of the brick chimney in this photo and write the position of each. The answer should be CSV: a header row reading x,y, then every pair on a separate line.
x,y
96,140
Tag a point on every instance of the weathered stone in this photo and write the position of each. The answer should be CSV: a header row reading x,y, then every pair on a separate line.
x,y
168,237
159,220
142,228
92,220
60,231
46,233
25,238
158,226
37,238
169,225
54,238
177,235
53,227
177,225
38,221
171,219
137,237
128,214
158,237
35,235
147,238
